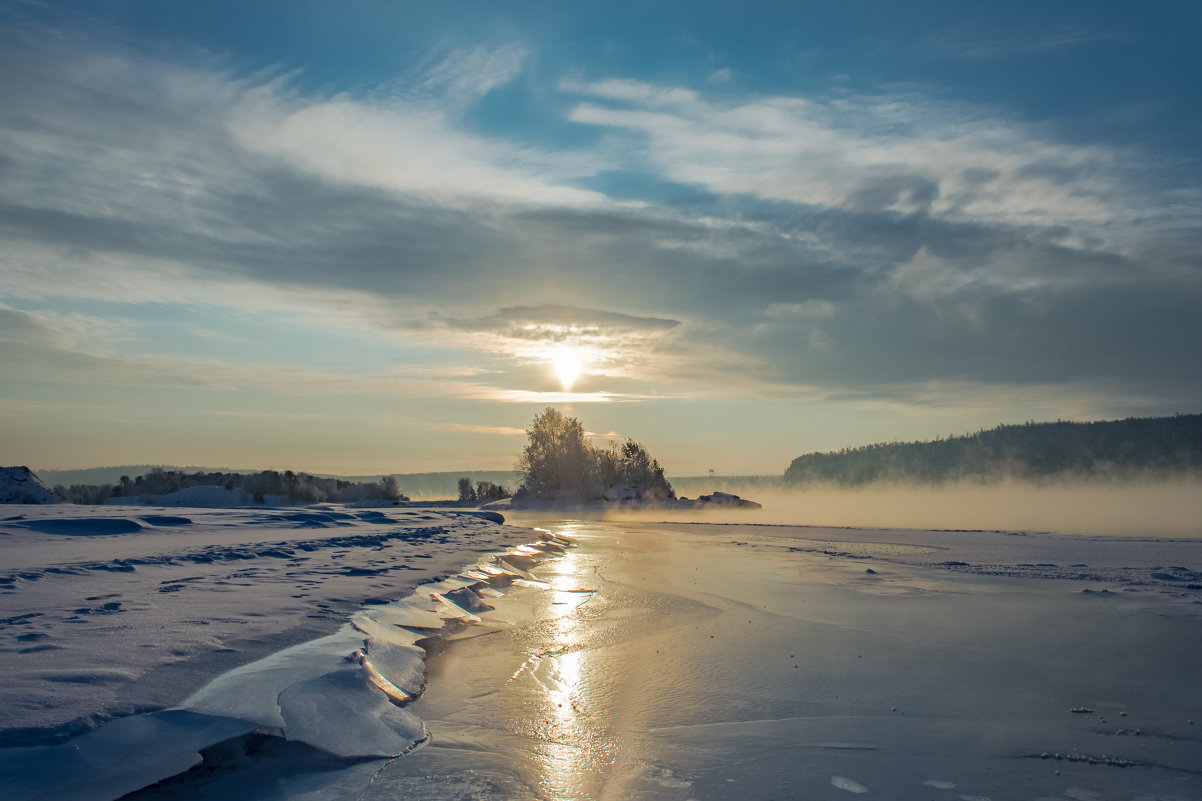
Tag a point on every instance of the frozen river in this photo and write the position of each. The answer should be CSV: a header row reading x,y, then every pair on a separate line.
x,y
713,662
687,661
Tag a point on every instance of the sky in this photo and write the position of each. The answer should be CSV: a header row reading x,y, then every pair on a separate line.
x,y
375,236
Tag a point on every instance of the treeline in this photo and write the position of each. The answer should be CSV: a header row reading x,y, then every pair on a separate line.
x,y
481,491
1031,451
558,463
445,484
295,487
415,485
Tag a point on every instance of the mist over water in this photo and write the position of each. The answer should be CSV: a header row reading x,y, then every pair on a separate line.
x,y
1161,508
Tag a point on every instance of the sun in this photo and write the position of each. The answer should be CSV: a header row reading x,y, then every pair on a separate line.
x,y
567,365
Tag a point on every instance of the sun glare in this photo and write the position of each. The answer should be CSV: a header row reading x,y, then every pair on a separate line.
x,y
568,366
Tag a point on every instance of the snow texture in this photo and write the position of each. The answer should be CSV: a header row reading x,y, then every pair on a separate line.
x,y
206,602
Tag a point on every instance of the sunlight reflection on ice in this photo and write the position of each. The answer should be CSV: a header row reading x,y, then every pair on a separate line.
x,y
567,756
566,761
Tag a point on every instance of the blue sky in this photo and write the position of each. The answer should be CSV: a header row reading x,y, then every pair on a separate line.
x,y
363,236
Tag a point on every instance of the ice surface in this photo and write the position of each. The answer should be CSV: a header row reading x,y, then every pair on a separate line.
x,y
735,662
1167,567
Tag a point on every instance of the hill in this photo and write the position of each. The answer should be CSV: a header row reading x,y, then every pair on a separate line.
x,y
1118,448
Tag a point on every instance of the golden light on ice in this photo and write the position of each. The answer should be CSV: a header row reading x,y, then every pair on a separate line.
x,y
571,755
567,365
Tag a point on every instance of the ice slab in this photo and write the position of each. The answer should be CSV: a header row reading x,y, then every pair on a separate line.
x,y
468,598
402,666
411,613
106,763
342,713
453,611
250,692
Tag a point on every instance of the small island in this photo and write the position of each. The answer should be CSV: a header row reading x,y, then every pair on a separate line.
x,y
561,470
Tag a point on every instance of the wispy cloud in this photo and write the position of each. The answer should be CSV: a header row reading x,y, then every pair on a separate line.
x,y
975,44
464,75
903,153
502,431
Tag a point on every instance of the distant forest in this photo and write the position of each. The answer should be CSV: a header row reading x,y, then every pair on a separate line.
x,y
296,487
415,485
1121,448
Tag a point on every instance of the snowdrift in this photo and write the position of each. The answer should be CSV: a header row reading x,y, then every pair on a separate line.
x,y
21,485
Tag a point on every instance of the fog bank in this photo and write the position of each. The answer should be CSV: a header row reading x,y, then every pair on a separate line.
x,y
1164,508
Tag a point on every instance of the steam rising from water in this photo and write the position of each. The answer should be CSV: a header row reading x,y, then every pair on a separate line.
x,y
1163,508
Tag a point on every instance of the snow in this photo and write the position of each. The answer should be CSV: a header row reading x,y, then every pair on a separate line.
x,y
21,485
168,576
850,785
143,606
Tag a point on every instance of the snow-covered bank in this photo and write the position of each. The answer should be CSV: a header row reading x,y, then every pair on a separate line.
x,y
342,693
105,611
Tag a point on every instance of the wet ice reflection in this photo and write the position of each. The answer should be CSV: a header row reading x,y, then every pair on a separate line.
x,y
573,749
566,758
